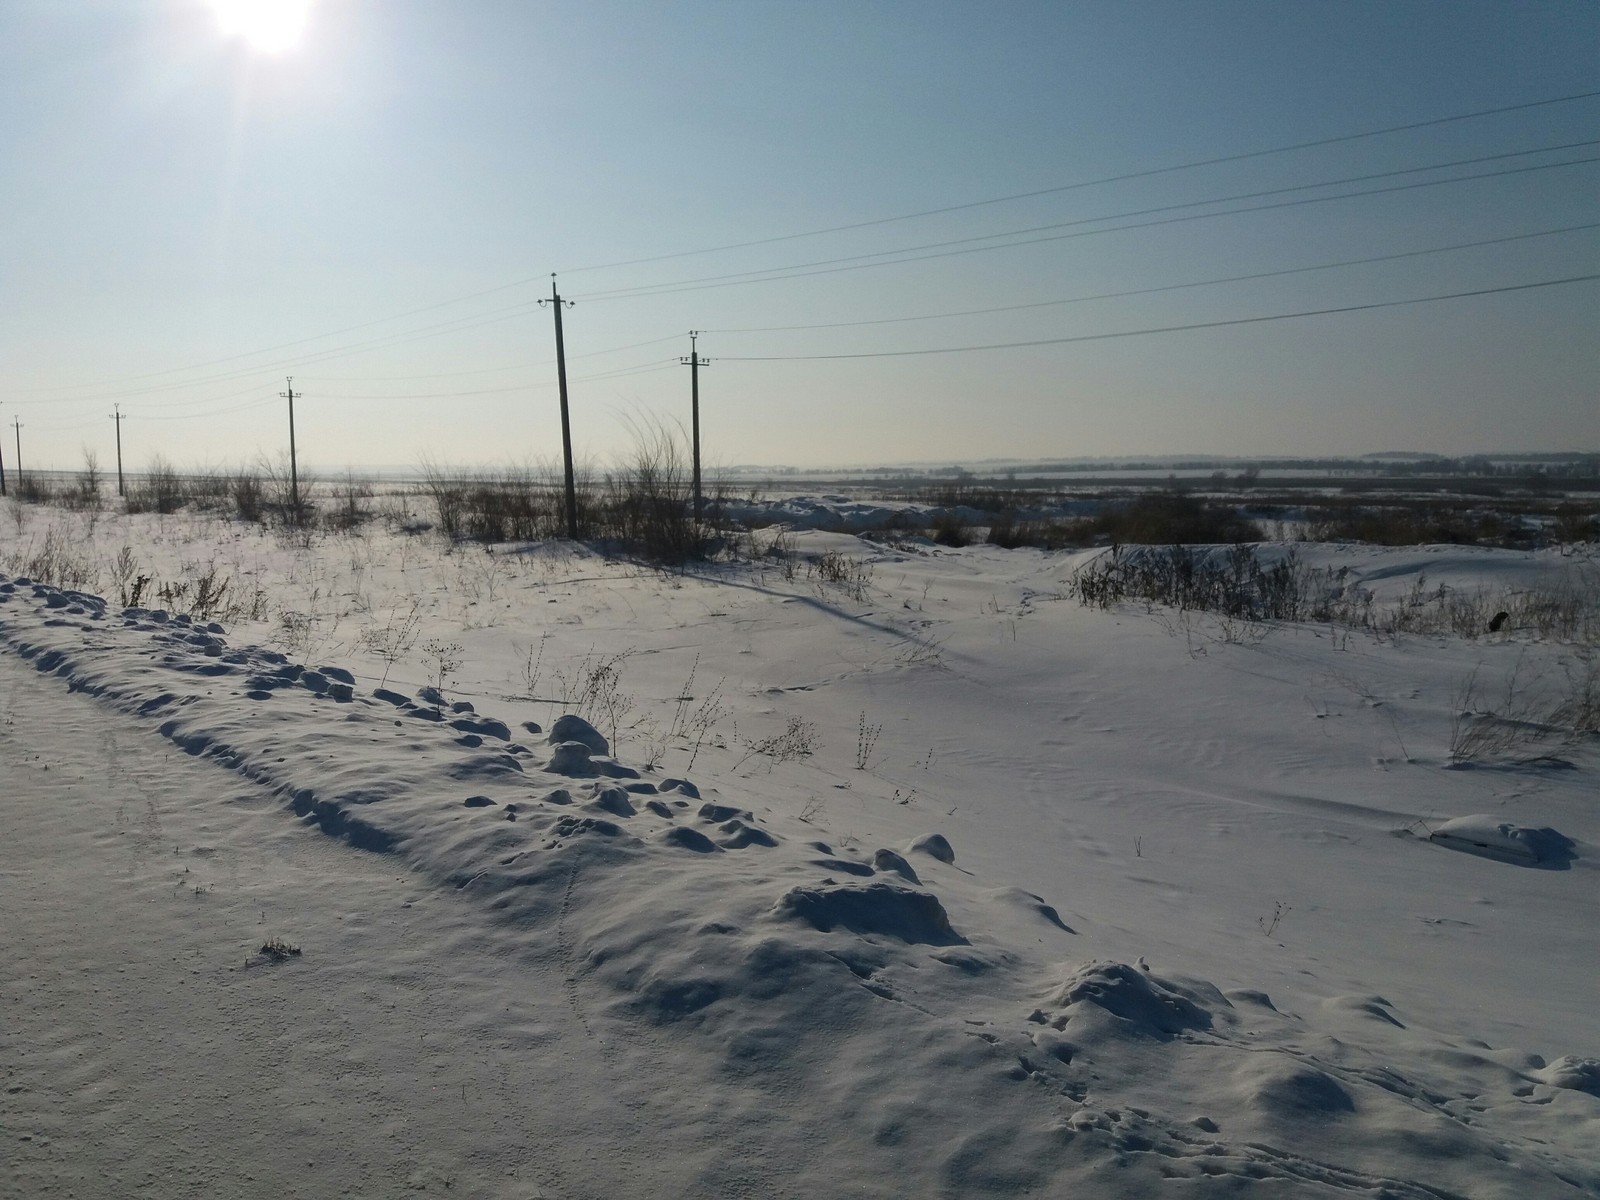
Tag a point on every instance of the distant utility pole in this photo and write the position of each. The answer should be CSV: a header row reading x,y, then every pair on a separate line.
x,y
294,471
555,302
695,363
117,417
17,425
2,471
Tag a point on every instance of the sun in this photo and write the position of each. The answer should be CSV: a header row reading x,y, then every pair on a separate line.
x,y
268,26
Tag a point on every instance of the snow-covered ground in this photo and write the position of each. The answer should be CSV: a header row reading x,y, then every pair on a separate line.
x,y
915,880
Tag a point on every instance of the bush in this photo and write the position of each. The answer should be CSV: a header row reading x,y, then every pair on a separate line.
x,y
351,512
649,503
1573,523
33,488
512,507
951,530
160,490
644,508
1234,584
249,495
1410,526
209,491
1008,532
86,495
1173,519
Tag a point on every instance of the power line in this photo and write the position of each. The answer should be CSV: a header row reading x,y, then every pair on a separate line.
x,y
220,412
1141,174
248,391
800,269
622,372
190,403
642,368
437,329
1096,337
301,341
772,276
1067,187
1170,287
321,357
525,366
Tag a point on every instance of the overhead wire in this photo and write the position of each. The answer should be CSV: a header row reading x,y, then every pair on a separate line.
x,y
858,262
1127,333
119,382
140,416
296,364
639,369
1107,179
437,329
547,362
1170,287
221,412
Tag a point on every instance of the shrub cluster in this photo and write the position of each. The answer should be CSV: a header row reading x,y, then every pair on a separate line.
x,y
1007,531
1173,519
258,494
644,507
1152,519
1233,583
1156,518
510,507
987,499
81,493
1414,526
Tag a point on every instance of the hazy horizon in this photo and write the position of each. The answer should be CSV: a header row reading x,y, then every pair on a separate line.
x,y
912,233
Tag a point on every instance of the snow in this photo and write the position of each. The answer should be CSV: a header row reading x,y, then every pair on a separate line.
x,y
954,887
1479,833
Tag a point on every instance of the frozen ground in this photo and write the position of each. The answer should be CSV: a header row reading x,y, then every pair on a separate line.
x,y
918,881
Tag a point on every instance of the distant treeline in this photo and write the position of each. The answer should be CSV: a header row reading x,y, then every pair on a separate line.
x,y
1553,465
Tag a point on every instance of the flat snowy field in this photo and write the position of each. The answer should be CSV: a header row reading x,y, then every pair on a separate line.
x,y
920,879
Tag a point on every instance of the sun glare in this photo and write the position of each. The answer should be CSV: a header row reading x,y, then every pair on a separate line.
x,y
268,26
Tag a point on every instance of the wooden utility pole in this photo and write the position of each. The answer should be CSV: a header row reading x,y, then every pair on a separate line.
x,y
695,363
555,301
117,417
17,425
2,472
294,470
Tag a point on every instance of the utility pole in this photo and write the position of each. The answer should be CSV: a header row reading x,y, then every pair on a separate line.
x,y
555,302
294,471
117,417
2,472
695,363
17,425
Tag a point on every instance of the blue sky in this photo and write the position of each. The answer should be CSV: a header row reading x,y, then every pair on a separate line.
x,y
375,210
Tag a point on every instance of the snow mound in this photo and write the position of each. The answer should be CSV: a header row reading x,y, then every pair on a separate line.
x,y
874,908
890,862
1571,1072
1130,1001
1286,1089
935,845
573,728
1489,837
1028,902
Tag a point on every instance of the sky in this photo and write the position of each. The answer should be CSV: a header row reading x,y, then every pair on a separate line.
x,y
898,225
